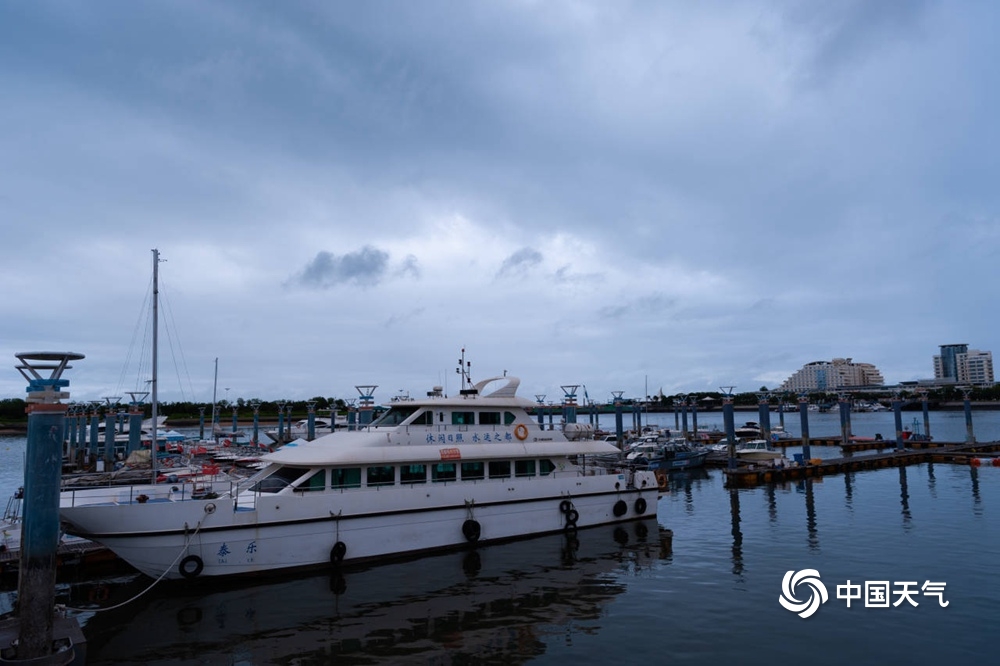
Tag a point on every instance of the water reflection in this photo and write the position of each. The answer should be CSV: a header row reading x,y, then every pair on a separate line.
x,y
772,505
849,491
931,480
813,539
687,481
904,497
734,513
977,502
497,603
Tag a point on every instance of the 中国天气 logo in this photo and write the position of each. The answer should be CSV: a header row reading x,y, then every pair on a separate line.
x,y
809,579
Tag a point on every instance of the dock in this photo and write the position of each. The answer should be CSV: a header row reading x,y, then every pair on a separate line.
x,y
959,454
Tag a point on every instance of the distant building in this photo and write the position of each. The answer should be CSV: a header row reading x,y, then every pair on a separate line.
x,y
840,373
961,365
946,363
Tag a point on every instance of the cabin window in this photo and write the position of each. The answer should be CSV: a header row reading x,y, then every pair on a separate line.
x,y
499,469
413,473
345,477
442,472
508,418
524,468
278,481
463,418
383,475
315,482
489,418
395,416
424,418
473,471
546,467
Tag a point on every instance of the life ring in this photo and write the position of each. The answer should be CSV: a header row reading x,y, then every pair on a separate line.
x,y
640,505
621,508
661,479
521,431
191,566
337,552
565,506
471,529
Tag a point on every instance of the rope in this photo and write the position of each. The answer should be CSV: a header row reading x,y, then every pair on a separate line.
x,y
187,542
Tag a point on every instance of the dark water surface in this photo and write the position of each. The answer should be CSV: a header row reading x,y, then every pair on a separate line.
x,y
709,595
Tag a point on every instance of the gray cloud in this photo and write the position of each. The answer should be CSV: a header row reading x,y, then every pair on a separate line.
x,y
364,268
520,262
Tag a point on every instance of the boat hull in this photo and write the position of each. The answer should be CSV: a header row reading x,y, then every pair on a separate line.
x,y
258,533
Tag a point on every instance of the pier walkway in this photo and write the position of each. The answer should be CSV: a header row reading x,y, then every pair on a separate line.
x,y
961,454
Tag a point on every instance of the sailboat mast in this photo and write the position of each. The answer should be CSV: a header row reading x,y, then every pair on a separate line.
x,y
154,444
215,387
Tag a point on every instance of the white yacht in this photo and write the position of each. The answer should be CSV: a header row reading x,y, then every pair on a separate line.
x,y
430,474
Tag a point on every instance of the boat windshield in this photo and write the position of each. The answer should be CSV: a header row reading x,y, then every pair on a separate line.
x,y
395,416
279,480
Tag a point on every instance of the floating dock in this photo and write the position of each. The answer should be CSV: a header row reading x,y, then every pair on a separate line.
x,y
961,454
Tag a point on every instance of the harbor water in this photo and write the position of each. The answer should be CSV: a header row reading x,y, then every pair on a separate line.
x,y
700,584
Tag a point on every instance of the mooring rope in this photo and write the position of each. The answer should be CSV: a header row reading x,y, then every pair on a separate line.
x,y
187,542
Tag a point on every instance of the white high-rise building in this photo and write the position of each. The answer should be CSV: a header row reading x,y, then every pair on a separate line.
x,y
833,375
961,365
975,367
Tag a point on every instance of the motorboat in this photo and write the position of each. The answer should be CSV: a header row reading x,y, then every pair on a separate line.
x,y
749,430
678,454
756,450
431,474
300,429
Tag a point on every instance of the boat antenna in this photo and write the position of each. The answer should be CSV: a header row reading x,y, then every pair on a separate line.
x,y
465,369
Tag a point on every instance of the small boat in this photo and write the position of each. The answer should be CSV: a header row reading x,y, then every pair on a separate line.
x,y
756,450
432,474
300,429
749,430
678,454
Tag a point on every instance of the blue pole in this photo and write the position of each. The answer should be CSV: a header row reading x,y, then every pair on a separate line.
x,y
36,584
256,423
730,426
684,418
897,412
541,416
927,418
134,427
201,423
763,416
845,420
40,528
109,439
236,421
970,437
311,420
619,426
281,423
95,431
694,417
804,417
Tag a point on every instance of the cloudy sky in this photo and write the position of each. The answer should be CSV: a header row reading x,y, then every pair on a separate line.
x,y
620,195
